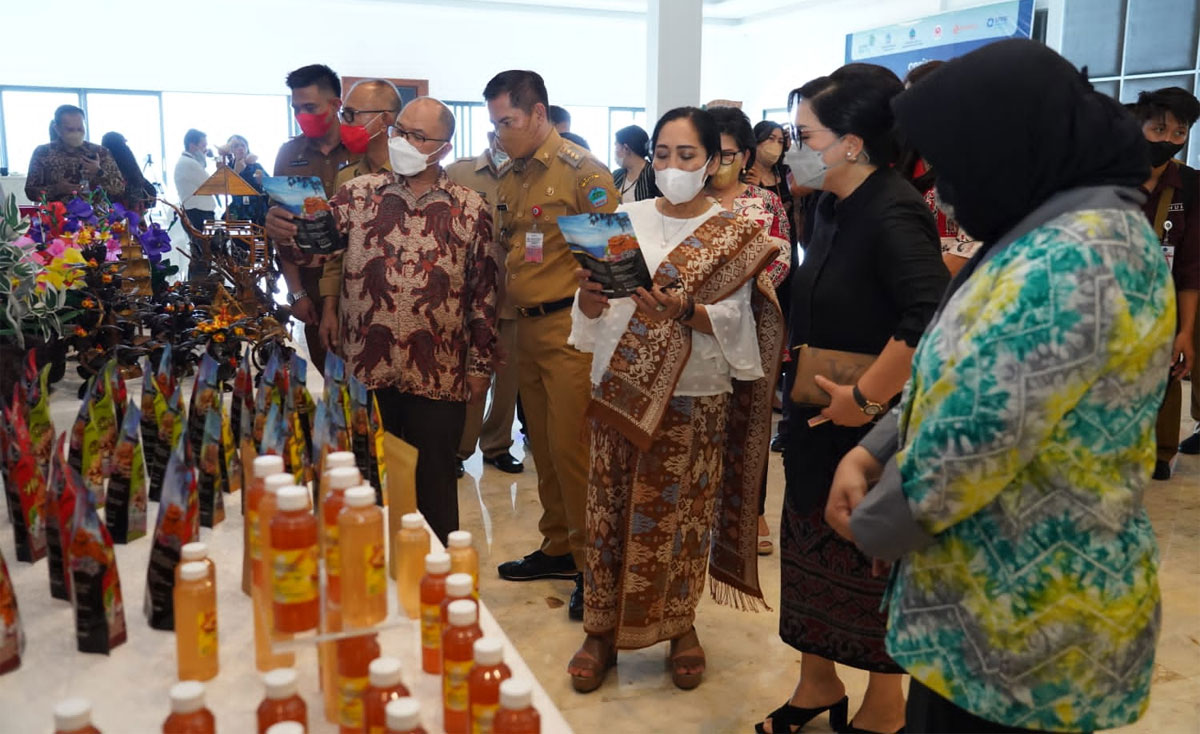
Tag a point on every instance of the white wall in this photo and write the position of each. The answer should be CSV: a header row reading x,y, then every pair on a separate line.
x,y
248,46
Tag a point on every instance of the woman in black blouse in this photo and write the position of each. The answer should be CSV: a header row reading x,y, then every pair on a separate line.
x,y
871,279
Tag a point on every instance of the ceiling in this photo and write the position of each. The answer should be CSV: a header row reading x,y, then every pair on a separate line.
x,y
722,11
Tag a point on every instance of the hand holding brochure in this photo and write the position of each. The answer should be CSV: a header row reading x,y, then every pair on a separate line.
x,y
304,196
606,245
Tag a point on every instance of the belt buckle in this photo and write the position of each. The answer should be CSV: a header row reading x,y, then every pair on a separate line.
x,y
528,312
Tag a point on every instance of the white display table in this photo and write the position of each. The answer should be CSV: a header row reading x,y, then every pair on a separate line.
x,y
128,689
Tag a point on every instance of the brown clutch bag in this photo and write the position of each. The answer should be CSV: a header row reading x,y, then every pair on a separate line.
x,y
843,368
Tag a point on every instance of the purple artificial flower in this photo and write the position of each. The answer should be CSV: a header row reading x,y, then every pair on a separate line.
x,y
113,248
72,225
155,243
37,231
80,209
119,213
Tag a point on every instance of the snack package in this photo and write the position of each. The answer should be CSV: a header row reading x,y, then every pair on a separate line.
x,y
12,641
177,525
149,419
231,465
75,447
41,427
209,479
26,488
380,463
165,389
274,440
62,488
320,436
302,399
295,458
120,394
243,391
361,437
246,443
206,396
267,395
100,434
125,513
95,583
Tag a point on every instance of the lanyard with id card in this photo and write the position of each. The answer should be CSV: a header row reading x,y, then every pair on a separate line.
x,y
1167,248
534,239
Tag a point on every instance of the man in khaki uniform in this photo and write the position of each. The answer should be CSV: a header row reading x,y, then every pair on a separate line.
x,y
550,178
493,434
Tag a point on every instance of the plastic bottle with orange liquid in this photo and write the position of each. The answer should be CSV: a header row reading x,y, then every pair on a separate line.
x,y
196,623
364,559
262,567
196,552
458,586
281,702
264,466
339,480
463,557
287,727
296,600
188,713
484,685
386,685
74,716
433,591
411,546
404,717
517,714
354,664
458,657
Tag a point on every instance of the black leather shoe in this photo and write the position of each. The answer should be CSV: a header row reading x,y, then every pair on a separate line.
x,y
778,442
1162,470
538,565
1191,444
575,607
505,462
458,469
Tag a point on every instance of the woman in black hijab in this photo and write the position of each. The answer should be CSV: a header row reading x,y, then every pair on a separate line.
x,y
139,193
1007,487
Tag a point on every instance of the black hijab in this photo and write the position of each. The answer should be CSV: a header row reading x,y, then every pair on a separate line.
x,y
1011,124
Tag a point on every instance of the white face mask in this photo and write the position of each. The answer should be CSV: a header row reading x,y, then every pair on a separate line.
x,y
808,164
680,186
406,160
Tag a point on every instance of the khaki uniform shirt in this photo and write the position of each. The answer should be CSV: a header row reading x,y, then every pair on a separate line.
x,y
560,178
482,177
301,156
352,170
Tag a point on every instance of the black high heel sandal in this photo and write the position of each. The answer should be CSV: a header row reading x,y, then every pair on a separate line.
x,y
788,716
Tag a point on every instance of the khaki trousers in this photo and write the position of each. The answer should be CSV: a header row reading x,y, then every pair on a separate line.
x,y
555,385
494,433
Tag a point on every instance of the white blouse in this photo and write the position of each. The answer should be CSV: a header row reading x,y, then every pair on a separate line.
x,y
730,353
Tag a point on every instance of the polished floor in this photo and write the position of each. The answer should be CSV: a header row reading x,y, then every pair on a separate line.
x,y
750,670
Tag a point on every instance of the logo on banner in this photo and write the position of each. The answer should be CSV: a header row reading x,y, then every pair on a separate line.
x,y
937,31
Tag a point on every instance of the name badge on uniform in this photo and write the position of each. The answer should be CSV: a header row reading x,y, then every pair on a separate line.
x,y
534,239
1168,249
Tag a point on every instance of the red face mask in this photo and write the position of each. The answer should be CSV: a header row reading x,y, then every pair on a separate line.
x,y
314,125
355,138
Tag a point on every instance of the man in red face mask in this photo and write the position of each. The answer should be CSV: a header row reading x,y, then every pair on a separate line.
x,y
371,105
318,151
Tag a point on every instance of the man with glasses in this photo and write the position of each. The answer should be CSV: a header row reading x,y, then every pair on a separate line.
x,y
416,313
69,164
550,178
371,106
317,151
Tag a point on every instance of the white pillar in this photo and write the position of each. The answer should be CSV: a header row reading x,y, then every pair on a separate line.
x,y
673,32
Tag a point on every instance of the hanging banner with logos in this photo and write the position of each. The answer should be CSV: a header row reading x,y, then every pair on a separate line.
x,y
944,36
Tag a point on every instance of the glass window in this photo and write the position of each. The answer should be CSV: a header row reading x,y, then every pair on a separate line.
x,y
1094,34
778,114
1162,36
136,116
1132,87
27,118
1111,87
262,119
481,125
591,124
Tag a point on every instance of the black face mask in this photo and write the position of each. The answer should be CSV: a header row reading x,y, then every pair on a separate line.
x,y
1163,151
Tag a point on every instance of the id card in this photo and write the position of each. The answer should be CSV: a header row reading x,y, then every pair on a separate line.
x,y
1169,253
533,247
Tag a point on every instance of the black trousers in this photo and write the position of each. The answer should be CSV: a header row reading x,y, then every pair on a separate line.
x,y
434,428
929,713
198,266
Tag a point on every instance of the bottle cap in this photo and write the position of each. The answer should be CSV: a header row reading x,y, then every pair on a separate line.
x,y
403,714
516,694
459,585
459,539
462,613
340,460
413,520
193,571
437,563
266,465
286,727
489,651
193,552
72,713
362,496
384,672
276,482
280,683
187,697
343,478
292,498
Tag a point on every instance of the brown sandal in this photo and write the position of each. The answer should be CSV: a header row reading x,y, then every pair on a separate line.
x,y
589,661
692,658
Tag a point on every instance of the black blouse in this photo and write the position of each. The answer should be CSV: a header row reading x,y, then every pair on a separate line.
x,y
872,272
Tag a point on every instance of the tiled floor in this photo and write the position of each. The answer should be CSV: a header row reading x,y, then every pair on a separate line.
x,y
750,670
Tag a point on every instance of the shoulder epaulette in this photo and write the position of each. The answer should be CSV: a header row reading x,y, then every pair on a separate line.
x,y
572,154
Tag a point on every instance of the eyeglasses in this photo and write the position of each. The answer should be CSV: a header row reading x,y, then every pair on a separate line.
x,y
395,131
727,157
348,113
797,134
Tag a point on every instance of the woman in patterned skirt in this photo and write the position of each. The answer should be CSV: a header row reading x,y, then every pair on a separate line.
x,y
870,280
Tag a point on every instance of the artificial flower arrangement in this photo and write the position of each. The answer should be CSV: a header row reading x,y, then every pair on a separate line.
x,y
34,283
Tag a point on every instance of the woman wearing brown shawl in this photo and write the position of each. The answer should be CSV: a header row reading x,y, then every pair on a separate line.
x,y
680,415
